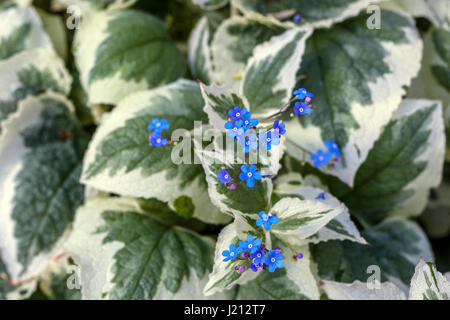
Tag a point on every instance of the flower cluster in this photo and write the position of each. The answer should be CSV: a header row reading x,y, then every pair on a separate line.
x,y
239,124
254,256
248,174
326,158
157,126
303,106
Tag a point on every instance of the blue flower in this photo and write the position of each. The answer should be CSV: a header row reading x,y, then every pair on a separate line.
x,y
302,108
333,148
321,158
274,260
157,140
249,142
267,140
223,176
232,253
158,125
279,127
321,196
297,18
266,220
250,174
251,245
237,113
235,129
248,122
257,256
302,93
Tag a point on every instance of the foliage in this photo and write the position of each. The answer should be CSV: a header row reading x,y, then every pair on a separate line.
x,y
224,149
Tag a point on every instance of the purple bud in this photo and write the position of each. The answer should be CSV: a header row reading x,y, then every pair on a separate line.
x,y
308,99
300,255
233,187
244,255
241,269
253,266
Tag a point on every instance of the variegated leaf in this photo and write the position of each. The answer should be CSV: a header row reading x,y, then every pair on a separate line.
x,y
31,72
121,160
392,252
119,52
127,253
428,283
232,47
21,29
41,150
357,76
271,73
224,276
339,228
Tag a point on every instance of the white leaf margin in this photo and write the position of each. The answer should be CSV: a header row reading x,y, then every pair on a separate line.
x,y
14,17
12,150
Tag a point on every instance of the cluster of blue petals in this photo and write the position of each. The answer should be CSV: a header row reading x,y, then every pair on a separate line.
x,y
157,127
328,157
254,255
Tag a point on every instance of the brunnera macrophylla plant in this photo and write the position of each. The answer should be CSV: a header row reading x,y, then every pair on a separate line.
x,y
272,150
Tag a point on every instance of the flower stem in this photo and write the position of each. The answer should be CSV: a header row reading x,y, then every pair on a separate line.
x,y
300,147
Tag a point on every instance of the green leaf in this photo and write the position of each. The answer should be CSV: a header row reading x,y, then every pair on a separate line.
x,y
271,74
21,29
340,227
321,14
123,51
233,45
41,150
428,283
145,257
357,76
404,164
121,160
28,73
394,246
